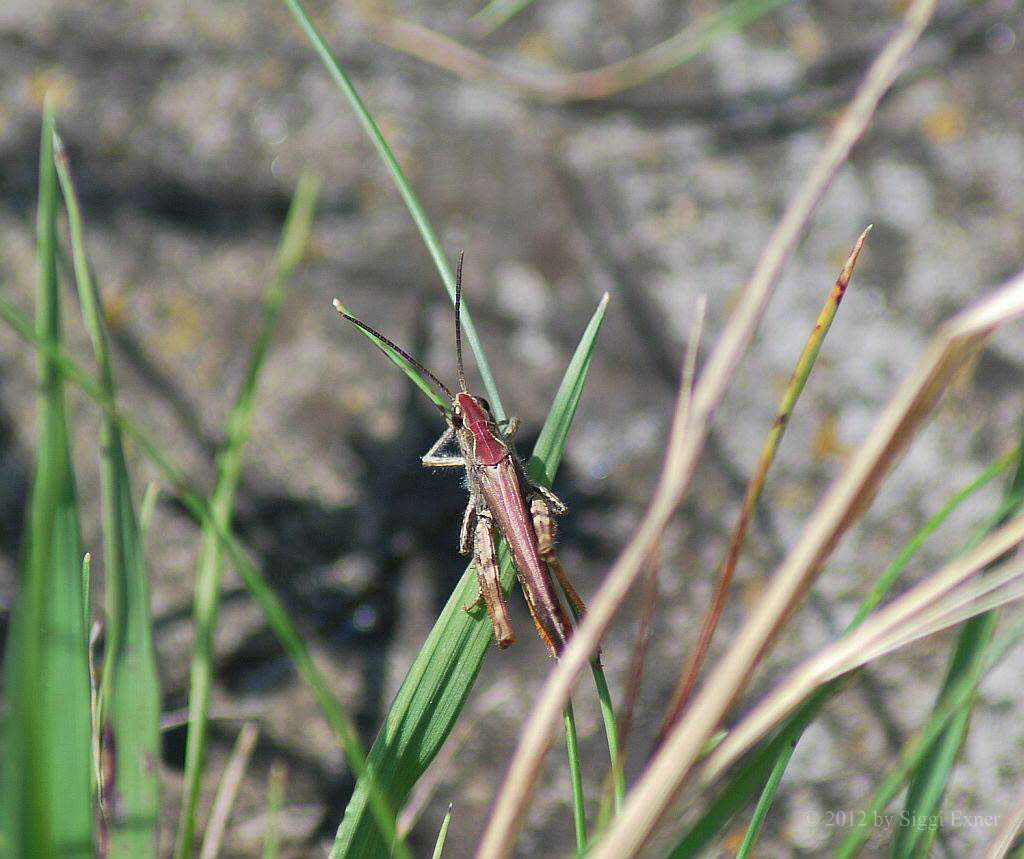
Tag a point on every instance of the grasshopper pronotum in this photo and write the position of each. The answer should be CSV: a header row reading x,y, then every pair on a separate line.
x,y
501,497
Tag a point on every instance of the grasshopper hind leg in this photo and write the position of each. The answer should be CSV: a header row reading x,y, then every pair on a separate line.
x,y
546,530
488,576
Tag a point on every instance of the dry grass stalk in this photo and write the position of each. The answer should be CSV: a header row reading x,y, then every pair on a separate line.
x,y
688,436
688,677
1007,832
955,343
227,790
940,601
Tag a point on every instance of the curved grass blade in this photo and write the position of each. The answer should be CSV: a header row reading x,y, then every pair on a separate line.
x,y
572,744
275,799
294,238
759,766
496,13
436,687
916,749
417,378
442,834
603,82
46,793
928,784
129,697
277,617
412,203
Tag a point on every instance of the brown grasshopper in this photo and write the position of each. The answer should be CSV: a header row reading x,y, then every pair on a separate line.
x,y
501,496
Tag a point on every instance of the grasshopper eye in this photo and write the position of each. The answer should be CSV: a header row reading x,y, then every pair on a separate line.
x,y
457,419
484,403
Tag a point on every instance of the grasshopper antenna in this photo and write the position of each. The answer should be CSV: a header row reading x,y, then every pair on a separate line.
x,y
390,344
458,323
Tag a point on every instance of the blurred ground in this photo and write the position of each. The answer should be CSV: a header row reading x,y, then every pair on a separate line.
x,y
188,124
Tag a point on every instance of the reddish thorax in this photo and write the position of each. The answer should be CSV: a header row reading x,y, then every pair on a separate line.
x,y
488,448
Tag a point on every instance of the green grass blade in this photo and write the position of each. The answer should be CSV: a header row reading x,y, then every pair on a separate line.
x,y
46,785
229,466
496,13
412,203
547,452
275,799
611,731
149,499
915,750
759,766
442,834
547,456
572,749
86,591
928,784
129,695
274,612
417,378
434,690
764,802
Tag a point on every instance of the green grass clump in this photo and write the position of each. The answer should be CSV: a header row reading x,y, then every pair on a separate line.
x,y
47,758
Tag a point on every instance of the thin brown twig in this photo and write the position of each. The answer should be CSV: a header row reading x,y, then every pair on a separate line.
x,y
688,677
687,438
227,790
650,593
648,604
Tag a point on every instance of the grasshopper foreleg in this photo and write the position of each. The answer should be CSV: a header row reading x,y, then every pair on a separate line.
x,y
511,428
488,577
433,459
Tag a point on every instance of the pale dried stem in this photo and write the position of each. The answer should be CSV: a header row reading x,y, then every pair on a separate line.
x,y
685,444
1004,838
650,589
453,56
956,343
227,790
942,600
447,53
688,677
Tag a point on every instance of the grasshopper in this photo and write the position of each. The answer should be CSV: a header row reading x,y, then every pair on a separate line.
x,y
502,498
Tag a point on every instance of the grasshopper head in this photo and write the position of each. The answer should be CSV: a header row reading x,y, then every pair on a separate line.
x,y
471,412
471,416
